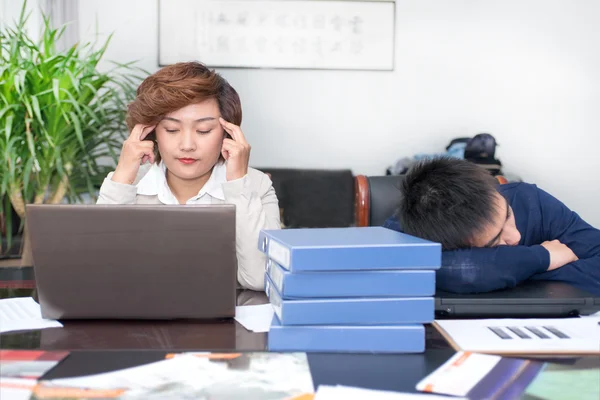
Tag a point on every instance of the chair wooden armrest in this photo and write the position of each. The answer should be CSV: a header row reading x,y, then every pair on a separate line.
x,y
501,180
361,200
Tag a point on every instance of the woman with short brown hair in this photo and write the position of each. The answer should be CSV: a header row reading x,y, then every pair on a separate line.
x,y
186,147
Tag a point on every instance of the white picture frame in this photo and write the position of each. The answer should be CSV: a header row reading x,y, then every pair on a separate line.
x,y
298,34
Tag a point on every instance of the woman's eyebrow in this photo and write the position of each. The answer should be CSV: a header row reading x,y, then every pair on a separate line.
x,y
198,120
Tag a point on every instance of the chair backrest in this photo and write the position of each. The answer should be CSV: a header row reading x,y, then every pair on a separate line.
x,y
313,198
377,198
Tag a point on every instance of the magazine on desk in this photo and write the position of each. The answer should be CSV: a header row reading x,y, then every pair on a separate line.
x,y
485,376
194,376
28,364
523,337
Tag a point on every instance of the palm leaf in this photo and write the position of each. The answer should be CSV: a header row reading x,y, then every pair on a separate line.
x,y
59,115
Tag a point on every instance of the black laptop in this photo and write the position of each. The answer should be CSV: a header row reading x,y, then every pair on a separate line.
x,y
531,299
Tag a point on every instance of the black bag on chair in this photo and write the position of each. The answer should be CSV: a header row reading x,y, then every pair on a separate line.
x,y
481,149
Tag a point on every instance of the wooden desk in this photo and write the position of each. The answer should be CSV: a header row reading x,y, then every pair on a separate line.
x,y
220,335
102,346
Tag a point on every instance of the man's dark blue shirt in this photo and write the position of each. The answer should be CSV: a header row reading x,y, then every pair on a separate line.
x,y
539,217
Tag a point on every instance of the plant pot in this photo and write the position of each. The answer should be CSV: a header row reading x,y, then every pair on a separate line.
x,y
26,254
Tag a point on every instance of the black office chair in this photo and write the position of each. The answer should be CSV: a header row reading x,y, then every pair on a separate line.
x,y
377,198
314,198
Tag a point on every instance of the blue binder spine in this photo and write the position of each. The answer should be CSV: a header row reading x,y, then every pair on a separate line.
x,y
274,249
328,284
334,249
351,311
355,339
276,274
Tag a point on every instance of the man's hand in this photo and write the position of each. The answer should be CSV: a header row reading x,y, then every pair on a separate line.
x,y
560,254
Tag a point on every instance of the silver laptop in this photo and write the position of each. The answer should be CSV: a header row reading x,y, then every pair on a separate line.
x,y
134,261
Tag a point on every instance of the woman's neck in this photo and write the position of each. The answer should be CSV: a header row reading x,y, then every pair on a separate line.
x,y
185,189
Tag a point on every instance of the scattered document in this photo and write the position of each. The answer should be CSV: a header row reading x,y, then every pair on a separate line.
x,y
16,389
255,318
485,376
258,375
23,313
28,364
564,336
461,373
351,393
195,376
595,315
179,369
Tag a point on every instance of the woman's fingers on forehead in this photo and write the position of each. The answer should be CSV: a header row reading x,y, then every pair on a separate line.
x,y
136,132
226,125
146,130
232,131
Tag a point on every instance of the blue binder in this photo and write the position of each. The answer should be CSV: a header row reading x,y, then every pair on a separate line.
x,y
355,339
351,311
334,249
329,284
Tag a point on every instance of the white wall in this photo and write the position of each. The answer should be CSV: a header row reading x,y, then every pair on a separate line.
x,y
10,10
527,71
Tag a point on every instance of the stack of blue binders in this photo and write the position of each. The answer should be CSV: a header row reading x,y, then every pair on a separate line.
x,y
349,289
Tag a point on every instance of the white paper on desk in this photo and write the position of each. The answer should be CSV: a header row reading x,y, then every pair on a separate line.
x,y
580,335
16,388
595,315
255,318
351,393
23,313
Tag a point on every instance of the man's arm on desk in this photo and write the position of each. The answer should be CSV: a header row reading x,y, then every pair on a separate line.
x,y
560,223
485,269
477,270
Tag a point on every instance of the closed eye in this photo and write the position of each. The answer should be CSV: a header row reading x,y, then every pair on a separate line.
x,y
494,242
204,132
172,130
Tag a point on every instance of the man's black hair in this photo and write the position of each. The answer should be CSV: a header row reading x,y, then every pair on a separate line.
x,y
447,200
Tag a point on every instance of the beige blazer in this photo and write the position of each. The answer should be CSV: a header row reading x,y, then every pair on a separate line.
x,y
253,195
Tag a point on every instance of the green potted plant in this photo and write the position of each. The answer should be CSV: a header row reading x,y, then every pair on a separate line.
x,y
61,120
